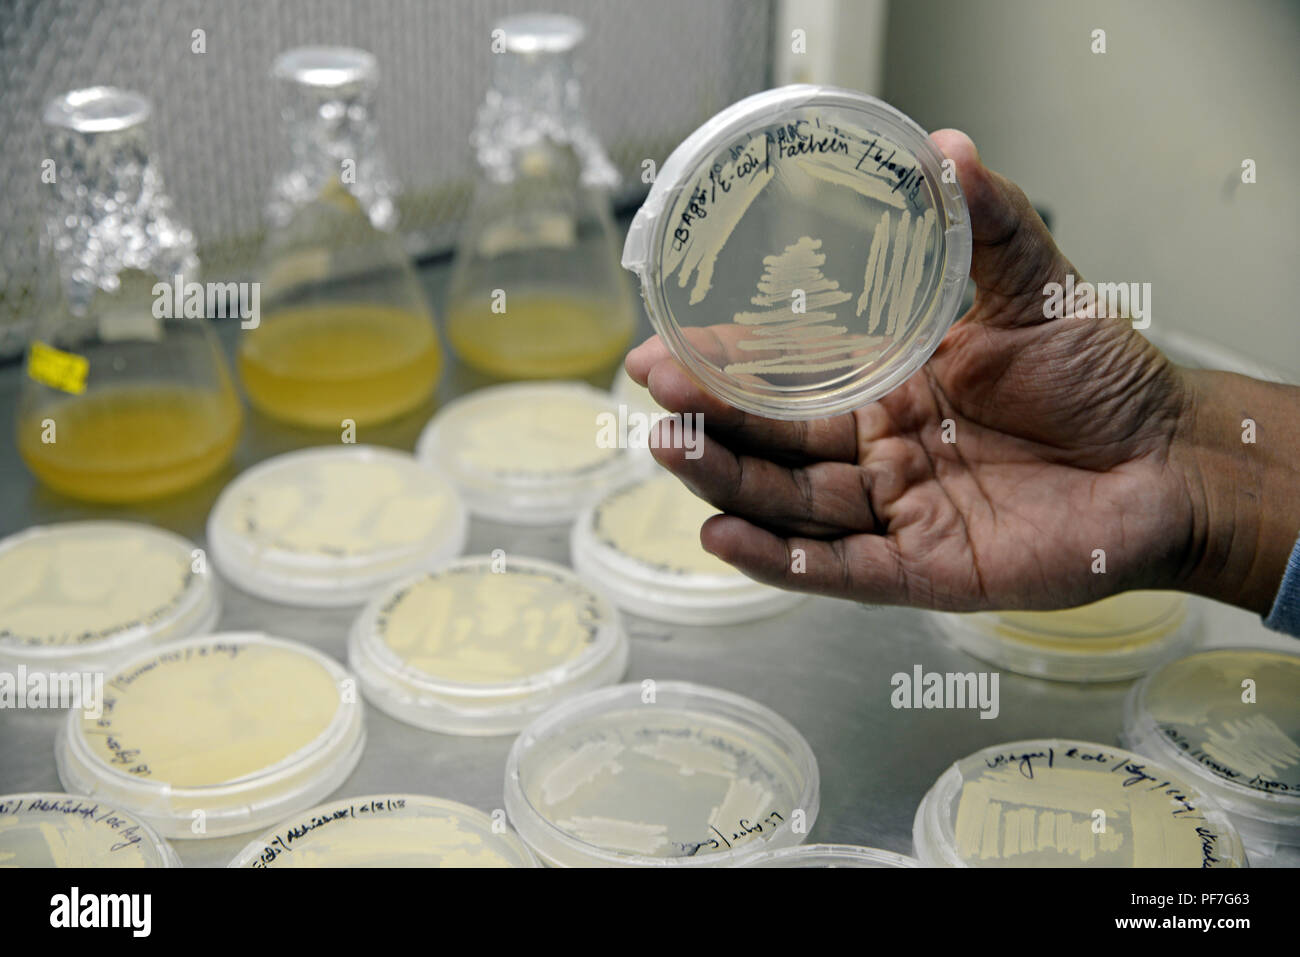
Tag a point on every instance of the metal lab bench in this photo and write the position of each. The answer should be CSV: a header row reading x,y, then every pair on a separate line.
x,y
825,665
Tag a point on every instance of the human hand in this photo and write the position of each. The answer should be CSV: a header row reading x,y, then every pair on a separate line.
x,y
1073,438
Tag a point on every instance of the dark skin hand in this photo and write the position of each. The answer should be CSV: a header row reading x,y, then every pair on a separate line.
x,y
1071,436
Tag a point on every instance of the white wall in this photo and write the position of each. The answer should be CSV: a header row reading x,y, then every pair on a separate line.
x,y
1136,152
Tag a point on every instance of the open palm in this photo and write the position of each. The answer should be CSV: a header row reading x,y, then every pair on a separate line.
x,y
1027,465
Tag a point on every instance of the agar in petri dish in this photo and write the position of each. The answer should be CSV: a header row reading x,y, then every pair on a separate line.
x,y
77,595
641,545
802,253
328,527
1229,719
529,453
1119,637
242,727
830,855
47,829
483,645
659,774
1057,803
387,830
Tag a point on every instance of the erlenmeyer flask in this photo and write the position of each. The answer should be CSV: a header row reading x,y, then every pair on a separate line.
x,y
126,395
536,290
344,331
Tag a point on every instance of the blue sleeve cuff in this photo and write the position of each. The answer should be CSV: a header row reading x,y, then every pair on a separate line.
x,y
1285,615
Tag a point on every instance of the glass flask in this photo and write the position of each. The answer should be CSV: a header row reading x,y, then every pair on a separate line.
x,y
344,330
126,394
536,290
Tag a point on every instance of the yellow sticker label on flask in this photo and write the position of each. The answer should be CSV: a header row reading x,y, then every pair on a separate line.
x,y
65,371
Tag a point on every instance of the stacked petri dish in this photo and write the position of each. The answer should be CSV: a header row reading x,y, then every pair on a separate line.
x,y
1059,803
1113,639
216,735
1228,720
387,830
483,645
660,774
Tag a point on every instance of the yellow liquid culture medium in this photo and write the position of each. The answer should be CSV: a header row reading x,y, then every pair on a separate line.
x,y
1054,803
63,830
483,645
318,365
641,544
131,443
75,595
331,526
1229,719
659,774
1109,640
541,336
240,727
528,453
388,830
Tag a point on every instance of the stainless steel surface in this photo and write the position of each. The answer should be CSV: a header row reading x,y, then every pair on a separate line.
x,y
825,666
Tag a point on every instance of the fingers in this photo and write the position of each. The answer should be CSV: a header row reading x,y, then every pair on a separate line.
x,y
821,499
862,568
834,439
1014,256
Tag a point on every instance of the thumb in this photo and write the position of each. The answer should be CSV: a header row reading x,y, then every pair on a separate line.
x,y
1014,255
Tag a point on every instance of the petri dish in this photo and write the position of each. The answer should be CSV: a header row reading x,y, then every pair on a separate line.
x,y
800,253
48,829
388,830
484,645
217,735
1059,803
77,595
641,545
329,527
660,774
1228,720
1113,639
831,855
529,453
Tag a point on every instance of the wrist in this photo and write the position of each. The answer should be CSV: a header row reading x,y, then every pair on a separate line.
x,y
1234,451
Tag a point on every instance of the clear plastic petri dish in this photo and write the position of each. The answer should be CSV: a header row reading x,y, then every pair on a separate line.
x,y
1114,639
388,830
802,253
641,546
660,774
48,829
830,855
483,645
1060,803
216,735
1228,720
76,596
329,527
529,453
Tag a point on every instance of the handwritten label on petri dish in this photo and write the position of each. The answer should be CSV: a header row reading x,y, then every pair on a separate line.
x,y
65,371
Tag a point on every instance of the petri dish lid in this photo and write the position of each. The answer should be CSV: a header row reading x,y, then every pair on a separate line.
x,y
1061,803
641,545
388,830
481,646
1114,639
329,527
216,735
48,829
660,774
77,596
800,253
831,855
1189,714
529,453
